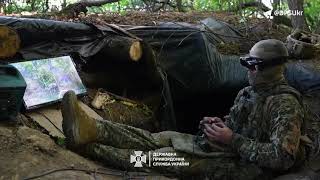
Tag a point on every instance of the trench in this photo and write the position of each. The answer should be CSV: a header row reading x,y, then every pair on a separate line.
x,y
190,108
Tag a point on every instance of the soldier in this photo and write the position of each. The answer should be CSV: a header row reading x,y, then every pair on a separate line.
x,y
260,138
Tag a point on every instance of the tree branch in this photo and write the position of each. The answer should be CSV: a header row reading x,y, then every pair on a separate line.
x,y
81,6
90,3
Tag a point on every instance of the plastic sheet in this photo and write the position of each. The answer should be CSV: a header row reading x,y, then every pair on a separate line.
x,y
46,38
202,81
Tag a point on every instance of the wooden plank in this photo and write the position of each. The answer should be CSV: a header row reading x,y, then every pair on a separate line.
x,y
50,118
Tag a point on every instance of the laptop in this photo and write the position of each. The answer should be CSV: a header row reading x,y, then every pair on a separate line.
x,y
48,80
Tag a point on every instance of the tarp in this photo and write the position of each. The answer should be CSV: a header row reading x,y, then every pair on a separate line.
x,y
202,81
191,59
47,38
183,50
190,56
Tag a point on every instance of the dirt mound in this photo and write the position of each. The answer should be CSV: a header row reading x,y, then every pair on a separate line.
x,y
141,18
254,28
27,153
151,19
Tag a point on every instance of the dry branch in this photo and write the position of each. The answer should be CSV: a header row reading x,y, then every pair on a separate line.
x,y
75,9
256,4
90,3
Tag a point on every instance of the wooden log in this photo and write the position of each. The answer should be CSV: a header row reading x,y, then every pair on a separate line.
x,y
135,51
134,42
9,42
122,49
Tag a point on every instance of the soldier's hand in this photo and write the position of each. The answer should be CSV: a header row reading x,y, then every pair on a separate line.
x,y
218,132
209,120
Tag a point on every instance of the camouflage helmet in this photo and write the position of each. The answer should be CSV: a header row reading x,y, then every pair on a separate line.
x,y
269,49
268,52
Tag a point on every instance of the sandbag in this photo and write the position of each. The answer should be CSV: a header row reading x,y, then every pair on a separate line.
x,y
303,75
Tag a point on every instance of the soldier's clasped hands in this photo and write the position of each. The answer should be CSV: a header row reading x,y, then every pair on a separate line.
x,y
216,130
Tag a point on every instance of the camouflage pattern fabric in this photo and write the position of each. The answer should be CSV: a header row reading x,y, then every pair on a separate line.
x,y
266,137
116,142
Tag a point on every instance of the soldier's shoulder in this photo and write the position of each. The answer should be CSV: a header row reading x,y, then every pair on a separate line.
x,y
283,100
248,88
245,90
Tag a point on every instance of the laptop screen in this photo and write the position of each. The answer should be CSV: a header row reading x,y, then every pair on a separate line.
x,y
48,79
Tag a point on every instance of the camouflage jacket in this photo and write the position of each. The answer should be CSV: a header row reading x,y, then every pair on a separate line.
x,y
267,127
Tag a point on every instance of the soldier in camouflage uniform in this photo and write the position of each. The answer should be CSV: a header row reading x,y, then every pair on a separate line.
x,y
260,138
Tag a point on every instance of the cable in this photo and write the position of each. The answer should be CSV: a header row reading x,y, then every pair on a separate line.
x,y
73,169
124,174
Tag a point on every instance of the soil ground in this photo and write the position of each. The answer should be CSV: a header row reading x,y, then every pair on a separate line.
x,y
27,153
256,28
